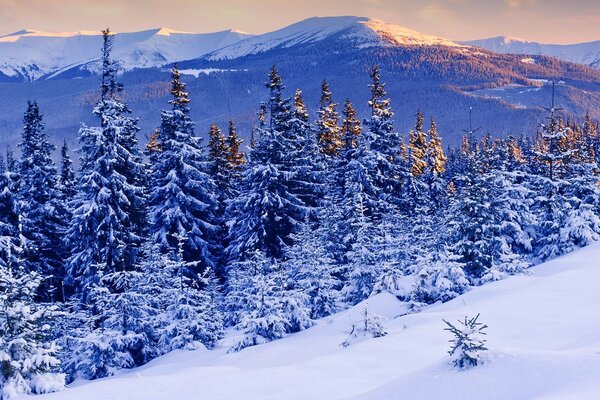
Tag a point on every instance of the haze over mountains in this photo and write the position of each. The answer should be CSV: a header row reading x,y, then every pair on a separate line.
x,y
226,72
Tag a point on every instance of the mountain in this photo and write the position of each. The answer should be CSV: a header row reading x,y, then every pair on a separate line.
x,y
542,338
581,53
31,55
226,71
361,32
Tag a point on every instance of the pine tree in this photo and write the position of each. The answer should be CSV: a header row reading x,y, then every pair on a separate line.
x,y
28,358
351,126
384,142
67,180
108,214
235,157
105,236
269,309
436,166
328,130
440,277
185,308
311,269
184,198
468,343
9,221
418,148
267,211
41,223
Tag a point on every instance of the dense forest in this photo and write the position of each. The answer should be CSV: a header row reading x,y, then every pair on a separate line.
x,y
153,247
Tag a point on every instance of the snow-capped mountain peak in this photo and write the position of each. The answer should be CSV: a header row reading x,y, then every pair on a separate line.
x,y
361,31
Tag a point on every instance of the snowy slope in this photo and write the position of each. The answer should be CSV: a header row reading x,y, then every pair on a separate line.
x,y
35,54
363,32
581,53
543,336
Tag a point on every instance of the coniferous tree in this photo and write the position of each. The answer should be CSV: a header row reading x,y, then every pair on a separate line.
x,y
327,124
67,180
9,221
418,148
384,142
184,198
27,355
41,223
105,238
235,156
267,211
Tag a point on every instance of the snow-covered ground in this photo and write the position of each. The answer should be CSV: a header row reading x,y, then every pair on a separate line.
x,y
543,336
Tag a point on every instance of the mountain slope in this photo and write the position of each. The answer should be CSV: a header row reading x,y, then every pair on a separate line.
x,y
359,31
581,53
543,340
423,72
32,55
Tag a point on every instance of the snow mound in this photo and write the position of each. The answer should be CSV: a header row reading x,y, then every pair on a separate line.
x,y
543,336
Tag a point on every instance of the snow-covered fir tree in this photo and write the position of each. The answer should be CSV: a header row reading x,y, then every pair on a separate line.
x,y
105,238
327,123
468,343
268,210
40,216
67,180
184,199
28,356
9,220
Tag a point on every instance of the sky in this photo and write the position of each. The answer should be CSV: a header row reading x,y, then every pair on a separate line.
x,y
549,21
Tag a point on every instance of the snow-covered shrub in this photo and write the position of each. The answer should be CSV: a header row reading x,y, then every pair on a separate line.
x,y
468,342
370,326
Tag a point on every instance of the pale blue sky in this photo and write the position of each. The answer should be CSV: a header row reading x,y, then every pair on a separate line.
x,y
552,21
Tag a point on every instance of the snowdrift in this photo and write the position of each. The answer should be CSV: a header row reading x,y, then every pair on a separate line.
x,y
543,336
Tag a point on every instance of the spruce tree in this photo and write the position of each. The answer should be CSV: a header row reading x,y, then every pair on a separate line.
x,y
9,221
184,199
67,180
41,220
267,211
327,124
28,356
105,238
384,142
418,148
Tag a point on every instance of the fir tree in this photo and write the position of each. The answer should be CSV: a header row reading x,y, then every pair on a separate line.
x,y
418,148
67,181
184,200
328,130
384,142
105,236
468,342
27,356
235,157
39,207
108,214
267,211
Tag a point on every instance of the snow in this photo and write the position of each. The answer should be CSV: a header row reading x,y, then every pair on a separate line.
x,y
36,54
582,53
207,71
363,31
543,336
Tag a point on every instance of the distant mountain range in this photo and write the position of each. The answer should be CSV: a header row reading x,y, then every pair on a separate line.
x,y
30,55
225,72
581,53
